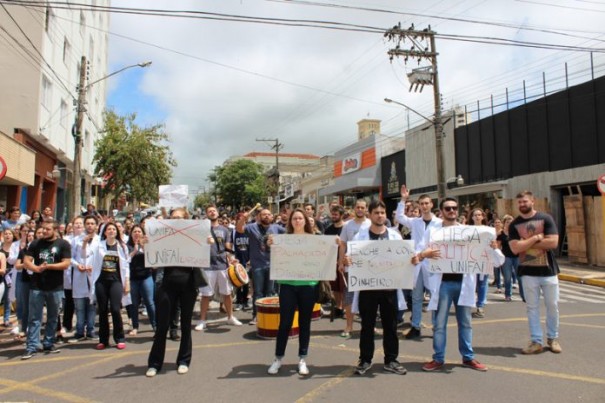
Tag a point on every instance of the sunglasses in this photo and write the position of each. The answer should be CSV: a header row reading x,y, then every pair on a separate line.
x,y
450,208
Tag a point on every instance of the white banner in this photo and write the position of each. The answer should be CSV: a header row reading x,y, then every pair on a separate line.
x,y
464,249
177,243
303,257
174,196
381,265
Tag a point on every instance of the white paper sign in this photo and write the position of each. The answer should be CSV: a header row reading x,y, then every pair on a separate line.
x,y
464,249
381,265
177,243
303,257
174,196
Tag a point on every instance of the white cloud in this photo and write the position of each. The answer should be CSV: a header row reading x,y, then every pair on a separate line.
x,y
213,112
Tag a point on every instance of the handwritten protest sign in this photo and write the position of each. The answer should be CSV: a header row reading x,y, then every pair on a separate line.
x,y
381,265
174,195
303,257
177,243
464,249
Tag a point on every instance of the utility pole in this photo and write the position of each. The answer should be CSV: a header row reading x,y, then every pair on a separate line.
x,y
419,49
80,110
277,146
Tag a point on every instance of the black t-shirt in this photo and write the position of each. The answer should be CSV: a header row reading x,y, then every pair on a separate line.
x,y
333,230
534,262
110,268
379,237
138,271
25,276
50,252
241,244
504,242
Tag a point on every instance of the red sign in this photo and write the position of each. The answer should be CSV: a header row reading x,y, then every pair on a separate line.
x,y
3,168
601,184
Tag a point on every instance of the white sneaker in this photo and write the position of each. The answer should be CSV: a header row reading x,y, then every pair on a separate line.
x,y
15,331
151,372
302,367
182,369
233,321
201,326
275,366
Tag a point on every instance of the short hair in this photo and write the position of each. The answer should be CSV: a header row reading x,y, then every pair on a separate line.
x,y
361,200
309,204
452,199
182,210
524,193
13,209
209,206
91,217
424,196
54,223
337,209
374,204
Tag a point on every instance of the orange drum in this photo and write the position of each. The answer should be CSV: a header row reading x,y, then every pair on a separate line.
x,y
267,318
316,315
238,275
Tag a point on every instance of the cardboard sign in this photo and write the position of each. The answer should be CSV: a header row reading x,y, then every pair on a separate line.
x,y
303,257
381,265
172,196
464,249
177,243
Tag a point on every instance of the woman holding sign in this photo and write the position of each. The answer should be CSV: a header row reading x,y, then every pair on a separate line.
x,y
293,294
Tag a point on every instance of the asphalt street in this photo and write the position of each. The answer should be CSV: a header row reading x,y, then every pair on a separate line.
x,y
230,363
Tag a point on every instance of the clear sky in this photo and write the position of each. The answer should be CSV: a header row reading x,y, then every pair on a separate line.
x,y
219,85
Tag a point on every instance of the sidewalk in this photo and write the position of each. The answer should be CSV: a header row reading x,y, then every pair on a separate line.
x,y
580,273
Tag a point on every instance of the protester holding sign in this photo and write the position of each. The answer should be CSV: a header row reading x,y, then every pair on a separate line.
x,y
456,286
178,285
295,294
387,300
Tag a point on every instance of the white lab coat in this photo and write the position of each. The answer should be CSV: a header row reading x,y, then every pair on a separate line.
x,y
96,261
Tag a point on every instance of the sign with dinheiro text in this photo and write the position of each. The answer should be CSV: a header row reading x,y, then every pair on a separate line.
x,y
303,257
177,243
381,265
464,249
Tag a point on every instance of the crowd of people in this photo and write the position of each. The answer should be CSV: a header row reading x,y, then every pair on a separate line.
x,y
93,268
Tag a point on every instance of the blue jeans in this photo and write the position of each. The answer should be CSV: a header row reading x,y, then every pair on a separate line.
x,y
37,299
23,300
549,287
507,270
290,298
85,317
417,301
142,288
449,292
498,277
263,285
481,290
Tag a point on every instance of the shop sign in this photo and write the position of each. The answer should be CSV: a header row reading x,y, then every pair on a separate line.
x,y
3,168
351,163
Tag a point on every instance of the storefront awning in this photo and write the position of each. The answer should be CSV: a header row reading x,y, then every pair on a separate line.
x,y
356,182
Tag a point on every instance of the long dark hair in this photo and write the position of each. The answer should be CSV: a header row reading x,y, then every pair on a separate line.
x,y
470,221
118,233
130,241
308,227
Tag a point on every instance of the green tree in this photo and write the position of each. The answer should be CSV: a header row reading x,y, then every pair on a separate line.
x,y
239,183
133,159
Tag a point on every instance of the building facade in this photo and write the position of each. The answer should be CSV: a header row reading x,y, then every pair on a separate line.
x,y
43,50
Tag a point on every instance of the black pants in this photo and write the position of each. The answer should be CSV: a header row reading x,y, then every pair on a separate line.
x,y
369,302
290,298
109,298
68,310
168,296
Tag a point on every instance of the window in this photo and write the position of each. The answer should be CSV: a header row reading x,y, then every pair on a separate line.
x,y
91,50
66,51
64,114
46,92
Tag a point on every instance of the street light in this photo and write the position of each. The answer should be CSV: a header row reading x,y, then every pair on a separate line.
x,y
81,109
440,160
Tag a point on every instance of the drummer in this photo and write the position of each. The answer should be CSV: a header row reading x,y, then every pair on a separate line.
x,y
216,274
293,294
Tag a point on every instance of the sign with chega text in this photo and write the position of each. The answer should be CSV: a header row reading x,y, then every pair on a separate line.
x,y
177,243
303,257
381,265
465,249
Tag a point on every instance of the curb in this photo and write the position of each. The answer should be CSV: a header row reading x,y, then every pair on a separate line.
x,y
582,280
